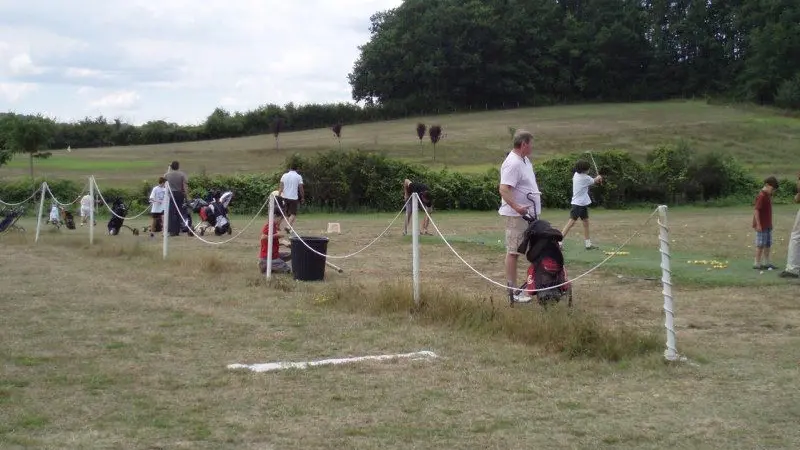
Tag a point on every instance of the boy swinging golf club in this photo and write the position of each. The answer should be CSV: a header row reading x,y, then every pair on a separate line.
x,y
581,182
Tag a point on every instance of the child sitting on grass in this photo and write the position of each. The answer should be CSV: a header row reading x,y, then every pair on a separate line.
x,y
279,264
762,223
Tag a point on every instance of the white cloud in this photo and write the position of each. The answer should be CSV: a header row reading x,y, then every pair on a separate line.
x,y
117,101
22,64
13,92
176,59
82,72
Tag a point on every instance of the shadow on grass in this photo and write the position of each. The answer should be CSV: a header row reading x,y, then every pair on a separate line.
x,y
558,329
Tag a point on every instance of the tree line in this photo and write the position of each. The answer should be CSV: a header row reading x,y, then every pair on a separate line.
x,y
454,54
431,56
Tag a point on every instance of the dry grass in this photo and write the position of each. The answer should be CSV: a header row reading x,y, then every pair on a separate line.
x,y
109,346
474,142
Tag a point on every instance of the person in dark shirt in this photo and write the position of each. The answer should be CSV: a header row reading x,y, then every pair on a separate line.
x,y
762,223
410,187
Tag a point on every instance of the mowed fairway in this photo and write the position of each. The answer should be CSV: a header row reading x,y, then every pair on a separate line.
x,y
763,140
110,347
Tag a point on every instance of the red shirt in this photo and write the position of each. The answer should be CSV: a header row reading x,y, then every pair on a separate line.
x,y
764,210
265,242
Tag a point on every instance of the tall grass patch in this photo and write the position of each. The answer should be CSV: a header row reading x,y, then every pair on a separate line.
x,y
572,332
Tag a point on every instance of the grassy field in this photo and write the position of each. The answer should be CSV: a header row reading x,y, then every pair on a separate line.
x,y
760,138
108,346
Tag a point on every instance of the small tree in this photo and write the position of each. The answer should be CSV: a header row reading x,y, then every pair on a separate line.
x,y
32,135
277,127
6,145
421,129
337,131
435,134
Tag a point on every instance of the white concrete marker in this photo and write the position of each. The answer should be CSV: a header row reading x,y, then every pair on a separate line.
x,y
268,367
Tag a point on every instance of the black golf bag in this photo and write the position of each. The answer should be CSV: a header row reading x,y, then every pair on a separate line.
x,y
119,211
547,276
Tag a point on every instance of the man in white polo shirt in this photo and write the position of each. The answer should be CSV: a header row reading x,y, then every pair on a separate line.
x,y
291,190
517,180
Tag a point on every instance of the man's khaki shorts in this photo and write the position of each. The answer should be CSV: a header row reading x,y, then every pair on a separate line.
x,y
515,230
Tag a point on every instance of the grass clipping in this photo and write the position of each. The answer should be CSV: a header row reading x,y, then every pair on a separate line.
x,y
558,329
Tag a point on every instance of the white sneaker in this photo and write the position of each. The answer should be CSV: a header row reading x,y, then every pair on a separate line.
x,y
522,298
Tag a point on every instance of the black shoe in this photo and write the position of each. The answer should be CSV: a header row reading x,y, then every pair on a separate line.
x,y
770,267
787,274
758,267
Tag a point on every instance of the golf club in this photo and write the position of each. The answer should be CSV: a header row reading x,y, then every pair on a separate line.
x,y
337,268
596,170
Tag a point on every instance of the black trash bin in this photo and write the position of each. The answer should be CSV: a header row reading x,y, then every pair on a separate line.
x,y
307,265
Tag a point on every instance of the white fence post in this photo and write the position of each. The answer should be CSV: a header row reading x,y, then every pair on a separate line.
x,y
42,190
270,236
91,210
671,353
415,246
165,223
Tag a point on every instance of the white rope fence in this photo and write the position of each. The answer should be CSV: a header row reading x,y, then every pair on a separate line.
x,y
58,202
292,230
413,202
505,286
110,209
39,189
173,203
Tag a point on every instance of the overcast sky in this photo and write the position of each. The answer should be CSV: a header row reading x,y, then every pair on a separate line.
x,y
176,60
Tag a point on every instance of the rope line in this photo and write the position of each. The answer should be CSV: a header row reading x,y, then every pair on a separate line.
x,y
191,230
57,202
39,189
505,286
278,207
100,194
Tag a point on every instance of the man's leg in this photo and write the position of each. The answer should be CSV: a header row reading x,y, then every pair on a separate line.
x,y
567,227
757,264
515,228
793,255
408,219
426,221
511,268
767,248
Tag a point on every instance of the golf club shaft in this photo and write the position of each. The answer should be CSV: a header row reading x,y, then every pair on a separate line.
x,y
594,162
333,266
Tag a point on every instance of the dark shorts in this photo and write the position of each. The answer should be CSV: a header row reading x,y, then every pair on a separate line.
x,y
579,212
291,207
764,238
157,215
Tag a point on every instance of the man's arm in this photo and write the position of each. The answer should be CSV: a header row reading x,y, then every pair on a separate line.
x,y
280,189
302,192
797,195
759,204
507,193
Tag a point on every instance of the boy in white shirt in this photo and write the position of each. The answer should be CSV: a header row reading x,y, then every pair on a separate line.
x,y
581,182
157,206
86,209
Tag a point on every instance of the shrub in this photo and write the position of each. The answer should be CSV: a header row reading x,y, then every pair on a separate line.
x,y
788,95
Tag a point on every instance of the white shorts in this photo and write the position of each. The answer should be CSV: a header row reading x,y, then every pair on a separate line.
x,y
86,211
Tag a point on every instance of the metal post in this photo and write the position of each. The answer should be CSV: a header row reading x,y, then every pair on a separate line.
x,y
165,226
270,236
42,190
415,246
91,210
671,353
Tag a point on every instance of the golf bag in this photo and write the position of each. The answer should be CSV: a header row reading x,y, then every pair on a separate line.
x,y
68,218
10,218
119,211
213,212
547,276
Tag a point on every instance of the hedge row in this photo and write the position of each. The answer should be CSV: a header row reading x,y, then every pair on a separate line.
x,y
361,181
